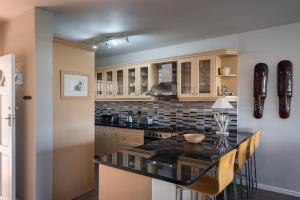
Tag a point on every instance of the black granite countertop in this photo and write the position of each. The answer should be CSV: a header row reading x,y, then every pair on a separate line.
x,y
173,160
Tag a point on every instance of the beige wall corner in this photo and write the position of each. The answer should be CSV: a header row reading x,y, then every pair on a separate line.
x,y
19,38
73,125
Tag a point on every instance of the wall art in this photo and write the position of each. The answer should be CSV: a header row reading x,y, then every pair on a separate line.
x,y
260,88
285,87
74,85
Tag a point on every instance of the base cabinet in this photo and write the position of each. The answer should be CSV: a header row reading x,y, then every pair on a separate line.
x,y
111,139
106,140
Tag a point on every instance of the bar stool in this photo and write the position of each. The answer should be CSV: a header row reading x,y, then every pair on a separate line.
x,y
240,162
253,145
213,186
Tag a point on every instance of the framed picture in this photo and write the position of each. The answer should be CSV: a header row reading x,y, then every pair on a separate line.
x,y
74,85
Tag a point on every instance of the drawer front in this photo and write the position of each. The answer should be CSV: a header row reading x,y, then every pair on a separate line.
x,y
131,137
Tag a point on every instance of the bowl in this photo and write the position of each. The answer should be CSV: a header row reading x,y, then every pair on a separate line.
x,y
194,138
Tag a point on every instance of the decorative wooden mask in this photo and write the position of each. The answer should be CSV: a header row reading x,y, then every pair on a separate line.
x,y
260,88
285,87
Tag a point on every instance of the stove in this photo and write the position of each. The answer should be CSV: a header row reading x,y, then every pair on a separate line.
x,y
158,134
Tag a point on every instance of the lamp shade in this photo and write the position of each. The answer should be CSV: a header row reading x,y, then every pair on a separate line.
x,y
222,103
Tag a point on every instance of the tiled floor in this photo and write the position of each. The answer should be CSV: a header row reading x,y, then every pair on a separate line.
x,y
261,195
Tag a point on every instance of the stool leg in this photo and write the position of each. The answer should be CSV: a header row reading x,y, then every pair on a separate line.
x,y
225,194
247,181
241,184
235,189
255,171
180,193
251,177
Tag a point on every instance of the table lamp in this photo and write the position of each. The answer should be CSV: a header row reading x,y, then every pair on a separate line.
x,y
221,119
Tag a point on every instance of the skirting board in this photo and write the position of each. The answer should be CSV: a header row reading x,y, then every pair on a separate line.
x,y
279,190
275,189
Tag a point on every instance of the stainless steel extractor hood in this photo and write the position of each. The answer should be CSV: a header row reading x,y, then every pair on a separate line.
x,y
166,81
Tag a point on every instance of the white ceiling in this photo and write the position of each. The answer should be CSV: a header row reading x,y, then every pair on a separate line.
x,y
157,23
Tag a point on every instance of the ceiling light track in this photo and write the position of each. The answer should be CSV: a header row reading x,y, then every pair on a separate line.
x,y
110,40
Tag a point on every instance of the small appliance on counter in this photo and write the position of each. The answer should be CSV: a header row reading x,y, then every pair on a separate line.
x,y
109,118
129,118
145,120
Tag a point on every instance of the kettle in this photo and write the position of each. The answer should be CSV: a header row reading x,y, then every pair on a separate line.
x,y
115,118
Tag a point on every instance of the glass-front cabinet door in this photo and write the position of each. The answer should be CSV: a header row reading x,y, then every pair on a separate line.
x,y
99,84
132,81
186,77
120,81
206,76
109,83
144,74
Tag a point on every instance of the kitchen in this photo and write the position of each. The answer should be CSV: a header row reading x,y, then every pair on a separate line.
x,y
151,100
140,104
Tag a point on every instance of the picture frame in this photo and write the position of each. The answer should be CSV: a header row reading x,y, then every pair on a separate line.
x,y
74,85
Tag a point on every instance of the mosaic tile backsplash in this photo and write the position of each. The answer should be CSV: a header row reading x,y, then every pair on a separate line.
x,y
168,111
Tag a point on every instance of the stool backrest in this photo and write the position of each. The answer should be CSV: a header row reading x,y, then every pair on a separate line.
x,y
241,155
225,169
257,139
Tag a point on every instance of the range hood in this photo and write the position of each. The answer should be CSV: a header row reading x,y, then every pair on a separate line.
x,y
166,80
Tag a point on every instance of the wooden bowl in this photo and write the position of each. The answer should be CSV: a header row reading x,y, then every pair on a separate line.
x,y
194,138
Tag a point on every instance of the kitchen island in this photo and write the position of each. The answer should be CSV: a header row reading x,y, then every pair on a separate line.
x,y
143,172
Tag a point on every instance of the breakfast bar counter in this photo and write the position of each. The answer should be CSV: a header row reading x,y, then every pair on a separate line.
x,y
172,160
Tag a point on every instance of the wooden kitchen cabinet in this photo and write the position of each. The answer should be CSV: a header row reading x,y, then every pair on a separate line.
x,y
131,137
196,77
106,140
124,82
110,139
139,81
110,83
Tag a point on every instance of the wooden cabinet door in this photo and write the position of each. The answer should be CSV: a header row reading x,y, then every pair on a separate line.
x,y
108,83
205,76
100,140
131,137
111,140
119,82
99,84
144,79
131,81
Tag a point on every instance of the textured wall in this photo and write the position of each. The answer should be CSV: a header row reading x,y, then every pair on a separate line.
x,y
169,112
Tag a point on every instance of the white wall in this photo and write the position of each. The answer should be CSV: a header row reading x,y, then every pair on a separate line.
x,y
44,103
278,163
278,158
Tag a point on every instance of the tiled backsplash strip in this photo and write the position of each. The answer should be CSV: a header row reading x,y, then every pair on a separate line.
x,y
168,111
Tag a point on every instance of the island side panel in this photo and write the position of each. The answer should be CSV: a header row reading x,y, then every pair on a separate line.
x,y
119,184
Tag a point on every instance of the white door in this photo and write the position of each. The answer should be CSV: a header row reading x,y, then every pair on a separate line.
x,y
7,130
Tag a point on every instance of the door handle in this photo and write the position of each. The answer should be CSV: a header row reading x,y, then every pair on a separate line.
x,y
9,118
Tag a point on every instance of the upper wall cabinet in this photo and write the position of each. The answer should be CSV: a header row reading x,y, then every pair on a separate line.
x,y
196,77
123,82
200,77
